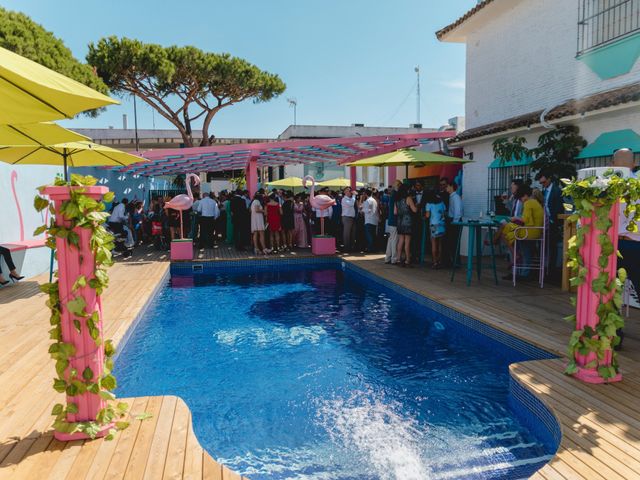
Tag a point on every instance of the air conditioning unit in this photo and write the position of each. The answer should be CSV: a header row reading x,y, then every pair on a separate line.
x,y
622,172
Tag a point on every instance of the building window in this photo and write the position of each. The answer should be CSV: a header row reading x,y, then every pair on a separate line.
x,y
601,22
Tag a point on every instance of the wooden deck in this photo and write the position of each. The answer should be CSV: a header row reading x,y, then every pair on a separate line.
x,y
162,447
600,424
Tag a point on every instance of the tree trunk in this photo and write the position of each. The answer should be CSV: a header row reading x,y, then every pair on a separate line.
x,y
205,126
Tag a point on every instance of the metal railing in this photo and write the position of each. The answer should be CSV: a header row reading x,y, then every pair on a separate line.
x,y
601,22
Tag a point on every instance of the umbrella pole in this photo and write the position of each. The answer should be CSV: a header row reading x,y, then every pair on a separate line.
x,y
66,172
322,226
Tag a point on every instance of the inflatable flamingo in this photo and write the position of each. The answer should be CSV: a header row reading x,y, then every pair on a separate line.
x,y
183,202
320,202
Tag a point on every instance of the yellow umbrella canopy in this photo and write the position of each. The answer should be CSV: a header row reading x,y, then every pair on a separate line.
x,y
289,182
75,154
407,157
37,134
31,93
339,183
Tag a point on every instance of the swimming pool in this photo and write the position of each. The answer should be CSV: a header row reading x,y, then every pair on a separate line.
x,y
315,372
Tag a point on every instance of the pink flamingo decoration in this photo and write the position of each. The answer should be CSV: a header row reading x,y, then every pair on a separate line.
x,y
320,202
183,202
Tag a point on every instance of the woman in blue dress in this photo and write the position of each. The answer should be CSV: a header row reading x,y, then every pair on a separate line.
x,y
435,214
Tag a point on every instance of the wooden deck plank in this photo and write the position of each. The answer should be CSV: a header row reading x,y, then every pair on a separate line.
x,y
65,461
193,456
599,442
158,451
138,460
174,465
126,441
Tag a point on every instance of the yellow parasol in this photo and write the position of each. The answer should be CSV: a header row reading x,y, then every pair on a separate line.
x,y
31,93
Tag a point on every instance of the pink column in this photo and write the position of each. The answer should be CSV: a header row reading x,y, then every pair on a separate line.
x,y
251,174
392,174
352,177
587,300
73,262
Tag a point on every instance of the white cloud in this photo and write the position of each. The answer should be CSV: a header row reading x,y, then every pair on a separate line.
x,y
456,84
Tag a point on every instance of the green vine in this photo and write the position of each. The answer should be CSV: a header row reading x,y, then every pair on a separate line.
x,y
81,211
598,195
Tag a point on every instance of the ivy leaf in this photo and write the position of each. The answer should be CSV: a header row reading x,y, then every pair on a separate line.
x,y
81,281
76,306
108,382
38,231
87,374
122,425
59,385
72,408
572,368
40,203
76,324
57,409
143,416
106,395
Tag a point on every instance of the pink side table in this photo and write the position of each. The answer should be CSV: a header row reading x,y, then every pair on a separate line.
x,y
182,249
323,245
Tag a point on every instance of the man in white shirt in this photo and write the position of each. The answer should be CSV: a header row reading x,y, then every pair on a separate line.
x,y
370,211
209,212
454,214
119,222
119,214
348,219
456,209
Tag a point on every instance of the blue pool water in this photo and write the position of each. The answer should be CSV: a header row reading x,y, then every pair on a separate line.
x,y
322,374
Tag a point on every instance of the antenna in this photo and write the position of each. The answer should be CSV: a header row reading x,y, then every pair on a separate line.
x,y
417,70
293,102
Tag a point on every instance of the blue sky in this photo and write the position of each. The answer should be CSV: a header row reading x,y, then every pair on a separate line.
x,y
345,61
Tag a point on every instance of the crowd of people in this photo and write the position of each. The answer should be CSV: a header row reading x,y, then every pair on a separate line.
x,y
403,220
367,220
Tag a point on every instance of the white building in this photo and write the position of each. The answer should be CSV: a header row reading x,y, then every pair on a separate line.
x,y
534,64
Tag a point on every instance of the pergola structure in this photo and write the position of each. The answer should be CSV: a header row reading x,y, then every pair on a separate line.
x,y
250,156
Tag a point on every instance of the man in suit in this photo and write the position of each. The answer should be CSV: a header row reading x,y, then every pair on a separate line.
x,y
553,206
241,221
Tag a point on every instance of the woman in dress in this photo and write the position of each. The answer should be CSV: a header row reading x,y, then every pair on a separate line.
x,y
532,216
288,221
274,216
300,225
405,207
257,224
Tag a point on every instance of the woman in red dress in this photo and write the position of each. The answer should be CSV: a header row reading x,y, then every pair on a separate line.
x,y
274,216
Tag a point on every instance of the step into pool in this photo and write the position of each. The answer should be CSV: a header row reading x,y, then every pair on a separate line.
x,y
318,372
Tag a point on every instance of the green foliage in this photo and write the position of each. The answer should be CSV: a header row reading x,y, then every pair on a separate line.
x,y
557,151
510,149
239,181
25,37
593,200
183,84
83,212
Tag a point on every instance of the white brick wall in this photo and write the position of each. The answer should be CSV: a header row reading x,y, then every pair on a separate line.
x,y
475,180
524,60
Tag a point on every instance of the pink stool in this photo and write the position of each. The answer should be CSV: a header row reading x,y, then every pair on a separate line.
x,y
323,245
182,249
